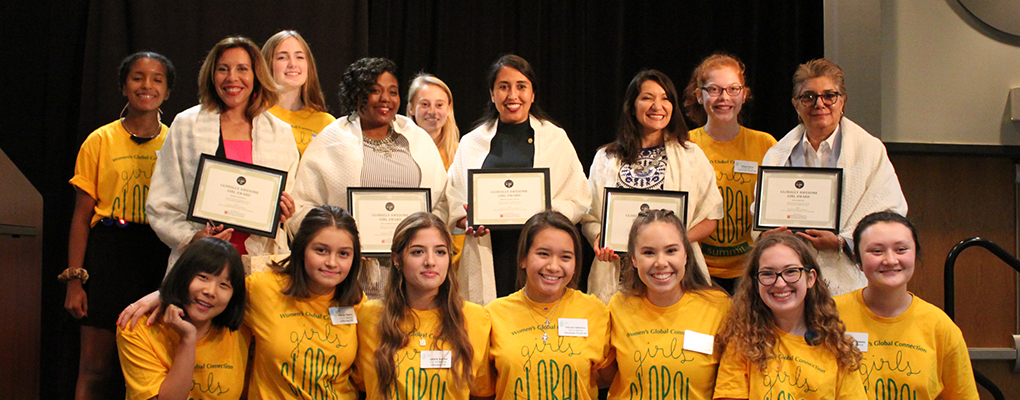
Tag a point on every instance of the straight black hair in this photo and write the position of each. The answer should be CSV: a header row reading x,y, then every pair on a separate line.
x,y
207,255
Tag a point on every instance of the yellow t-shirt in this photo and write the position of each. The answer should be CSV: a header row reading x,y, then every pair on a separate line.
x,y
305,123
649,345
146,354
796,371
561,367
299,353
919,354
726,248
413,381
115,171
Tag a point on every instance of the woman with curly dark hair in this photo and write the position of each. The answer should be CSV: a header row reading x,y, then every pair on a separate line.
x,y
369,146
783,337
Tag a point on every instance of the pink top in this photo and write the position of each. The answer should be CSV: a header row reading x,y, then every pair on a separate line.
x,y
238,150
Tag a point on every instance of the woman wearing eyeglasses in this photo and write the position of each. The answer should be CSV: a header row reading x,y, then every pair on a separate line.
x,y
783,338
651,152
714,98
827,139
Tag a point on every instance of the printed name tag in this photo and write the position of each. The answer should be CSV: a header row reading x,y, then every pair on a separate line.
x,y
862,340
343,315
745,167
576,327
436,359
698,342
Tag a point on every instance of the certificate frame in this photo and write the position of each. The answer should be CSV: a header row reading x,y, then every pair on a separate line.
x,y
617,209
215,203
477,177
376,231
798,201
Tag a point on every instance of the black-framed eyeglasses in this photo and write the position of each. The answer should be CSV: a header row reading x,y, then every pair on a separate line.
x,y
789,275
715,91
808,99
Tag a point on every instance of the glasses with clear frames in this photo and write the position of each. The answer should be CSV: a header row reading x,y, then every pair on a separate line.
x,y
808,99
789,275
715,91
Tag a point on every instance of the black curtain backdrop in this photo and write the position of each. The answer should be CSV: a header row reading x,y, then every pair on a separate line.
x,y
60,78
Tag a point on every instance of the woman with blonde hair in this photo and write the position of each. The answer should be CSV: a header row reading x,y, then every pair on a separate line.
x,y
783,337
714,99
661,289
430,105
235,89
423,337
301,102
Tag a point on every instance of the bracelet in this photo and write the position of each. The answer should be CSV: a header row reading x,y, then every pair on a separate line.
x,y
75,273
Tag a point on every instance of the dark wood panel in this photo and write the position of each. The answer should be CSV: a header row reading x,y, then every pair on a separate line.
x,y
20,270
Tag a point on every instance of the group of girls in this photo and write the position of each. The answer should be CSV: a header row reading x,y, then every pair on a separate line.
x,y
315,334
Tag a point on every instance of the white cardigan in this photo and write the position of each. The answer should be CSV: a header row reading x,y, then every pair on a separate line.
x,y
570,196
195,132
869,185
333,162
687,169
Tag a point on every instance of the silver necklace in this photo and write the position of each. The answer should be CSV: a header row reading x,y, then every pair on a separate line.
x,y
133,134
385,147
548,323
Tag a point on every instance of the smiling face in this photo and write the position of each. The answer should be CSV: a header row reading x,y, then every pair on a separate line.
x,y
786,300
290,66
549,265
234,78
209,295
652,108
722,108
512,94
146,86
381,105
887,255
430,109
426,261
661,262
328,259
817,117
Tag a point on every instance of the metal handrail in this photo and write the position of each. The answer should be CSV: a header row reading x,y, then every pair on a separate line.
x,y
950,299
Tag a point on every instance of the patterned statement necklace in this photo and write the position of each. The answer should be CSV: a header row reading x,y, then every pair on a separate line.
x,y
385,146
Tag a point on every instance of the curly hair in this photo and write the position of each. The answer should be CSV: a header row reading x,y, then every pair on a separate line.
x,y
396,323
348,292
357,82
311,91
751,329
716,61
694,279
627,145
264,89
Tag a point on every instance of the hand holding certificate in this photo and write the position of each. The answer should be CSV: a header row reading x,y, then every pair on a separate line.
x,y
798,198
506,197
242,196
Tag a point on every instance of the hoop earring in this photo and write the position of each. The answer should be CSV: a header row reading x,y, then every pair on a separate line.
x,y
123,110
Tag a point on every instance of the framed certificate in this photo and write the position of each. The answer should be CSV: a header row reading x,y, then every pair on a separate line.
x,y
242,196
506,197
378,211
798,198
621,206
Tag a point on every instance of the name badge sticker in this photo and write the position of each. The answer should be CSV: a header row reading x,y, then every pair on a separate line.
x,y
698,342
745,167
432,359
576,327
343,315
862,340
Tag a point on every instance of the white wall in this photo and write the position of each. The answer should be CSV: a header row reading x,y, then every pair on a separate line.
x,y
944,77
